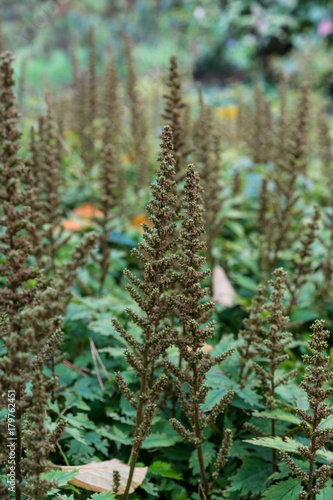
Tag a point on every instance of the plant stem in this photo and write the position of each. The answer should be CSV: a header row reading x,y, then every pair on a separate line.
x,y
18,431
136,448
197,431
313,451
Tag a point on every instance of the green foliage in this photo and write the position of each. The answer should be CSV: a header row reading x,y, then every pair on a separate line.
x,y
263,163
285,490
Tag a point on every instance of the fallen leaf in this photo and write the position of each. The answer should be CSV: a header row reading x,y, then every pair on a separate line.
x,y
223,292
98,476
87,211
207,348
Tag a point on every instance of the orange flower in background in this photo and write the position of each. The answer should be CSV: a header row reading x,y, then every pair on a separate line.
x,y
139,219
87,211
127,157
73,225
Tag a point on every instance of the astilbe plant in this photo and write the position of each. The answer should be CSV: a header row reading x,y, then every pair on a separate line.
x,y
22,298
289,165
15,273
260,138
107,204
173,115
138,119
271,345
326,157
193,312
253,330
208,163
315,383
302,263
49,181
112,114
156,253
44,178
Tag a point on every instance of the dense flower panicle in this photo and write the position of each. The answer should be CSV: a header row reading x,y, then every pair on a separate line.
x,y
208,162
92,76
173,115
317,383
156,253
259,138
283,141
251,334
302,262
268,323
107,179
271,343
15,212
193,313
138,119
29,322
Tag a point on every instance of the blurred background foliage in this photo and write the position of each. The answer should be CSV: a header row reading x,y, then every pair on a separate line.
x,y
218,41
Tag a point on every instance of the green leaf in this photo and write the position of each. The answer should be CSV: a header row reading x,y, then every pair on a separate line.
x,y
179,494
214,396
208,454
328,422
149,488
278,414
164,469
245,282
249,396
285,490
159,440
116,434
251,477
62,477
286,444
326,493
105,495
103,326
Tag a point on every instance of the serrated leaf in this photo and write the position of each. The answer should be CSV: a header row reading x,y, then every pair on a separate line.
x,y
208,455
105,495
214,396
61,476
251,477
278,414
328,422
116,434
159,440
286,444
326,493
150,488
249,396
164,469
285,490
